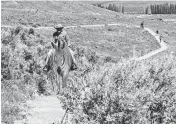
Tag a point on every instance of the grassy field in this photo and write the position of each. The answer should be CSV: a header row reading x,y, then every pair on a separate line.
x,y
114,41
165,24
117,41
49,13
121,40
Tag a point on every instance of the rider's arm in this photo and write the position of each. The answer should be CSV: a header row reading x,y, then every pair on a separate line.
x,y
67,40
54,37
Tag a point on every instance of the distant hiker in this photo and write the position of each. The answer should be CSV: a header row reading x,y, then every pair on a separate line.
x,y
157,31
142,24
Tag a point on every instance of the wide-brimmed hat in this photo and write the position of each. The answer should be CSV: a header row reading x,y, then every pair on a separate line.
x,y
59,26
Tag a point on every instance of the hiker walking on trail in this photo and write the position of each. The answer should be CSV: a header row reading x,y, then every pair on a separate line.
x,y
160,37
142,24
61,34
157,32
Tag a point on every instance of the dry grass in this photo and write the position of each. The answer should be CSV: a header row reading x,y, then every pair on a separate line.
x,y
166,29
117,41
67,13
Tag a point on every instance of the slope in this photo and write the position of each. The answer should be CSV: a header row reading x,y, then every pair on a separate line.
x,y
51,12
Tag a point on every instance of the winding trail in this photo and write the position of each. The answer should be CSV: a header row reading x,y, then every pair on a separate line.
x,y
152,53
47,109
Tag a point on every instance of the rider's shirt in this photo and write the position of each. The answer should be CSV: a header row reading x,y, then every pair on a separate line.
x,y
63,35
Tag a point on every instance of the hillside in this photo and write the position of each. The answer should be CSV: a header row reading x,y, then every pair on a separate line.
x,y
23,53
122,40
164,23
109,86
50,12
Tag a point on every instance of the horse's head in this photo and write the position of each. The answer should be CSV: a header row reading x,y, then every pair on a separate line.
x,y
58,44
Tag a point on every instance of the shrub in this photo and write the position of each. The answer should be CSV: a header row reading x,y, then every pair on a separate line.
x,y
124,93
17,30
20,72
41,86
31,31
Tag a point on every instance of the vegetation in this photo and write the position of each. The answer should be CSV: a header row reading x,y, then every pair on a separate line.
x,y
112,7
103,89
21,69
163,8
146,10
124,93
139,7
154,9
23,52
112,40
33,13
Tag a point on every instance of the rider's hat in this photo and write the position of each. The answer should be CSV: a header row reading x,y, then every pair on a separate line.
x,y
59,26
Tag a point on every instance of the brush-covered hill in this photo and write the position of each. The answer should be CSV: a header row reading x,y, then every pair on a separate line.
x,y
116,41
106,90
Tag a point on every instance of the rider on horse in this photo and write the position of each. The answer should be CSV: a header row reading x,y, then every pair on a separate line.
x,y
60,34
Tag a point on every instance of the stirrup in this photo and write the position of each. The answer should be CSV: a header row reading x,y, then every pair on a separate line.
x,y
73,67
46,68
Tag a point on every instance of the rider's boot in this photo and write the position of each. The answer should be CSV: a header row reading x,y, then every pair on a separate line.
x,y
46,68
73,66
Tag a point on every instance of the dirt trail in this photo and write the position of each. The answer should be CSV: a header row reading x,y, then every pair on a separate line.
x,y
47,109
162,44
43,110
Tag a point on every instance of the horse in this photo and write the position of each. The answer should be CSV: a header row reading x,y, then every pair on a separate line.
x,y
59,60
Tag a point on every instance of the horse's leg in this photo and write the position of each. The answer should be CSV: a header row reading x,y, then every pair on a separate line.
x,y
58,81
52,84
58,85
64,79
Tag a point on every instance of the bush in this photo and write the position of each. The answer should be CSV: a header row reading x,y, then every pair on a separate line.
x,y
31,31
20,72
124,93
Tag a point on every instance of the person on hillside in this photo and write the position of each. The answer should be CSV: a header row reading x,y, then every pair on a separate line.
x,y
157,32
160,38
60,33
142,24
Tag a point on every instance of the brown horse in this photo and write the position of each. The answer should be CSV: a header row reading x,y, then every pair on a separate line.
x,y
59,60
